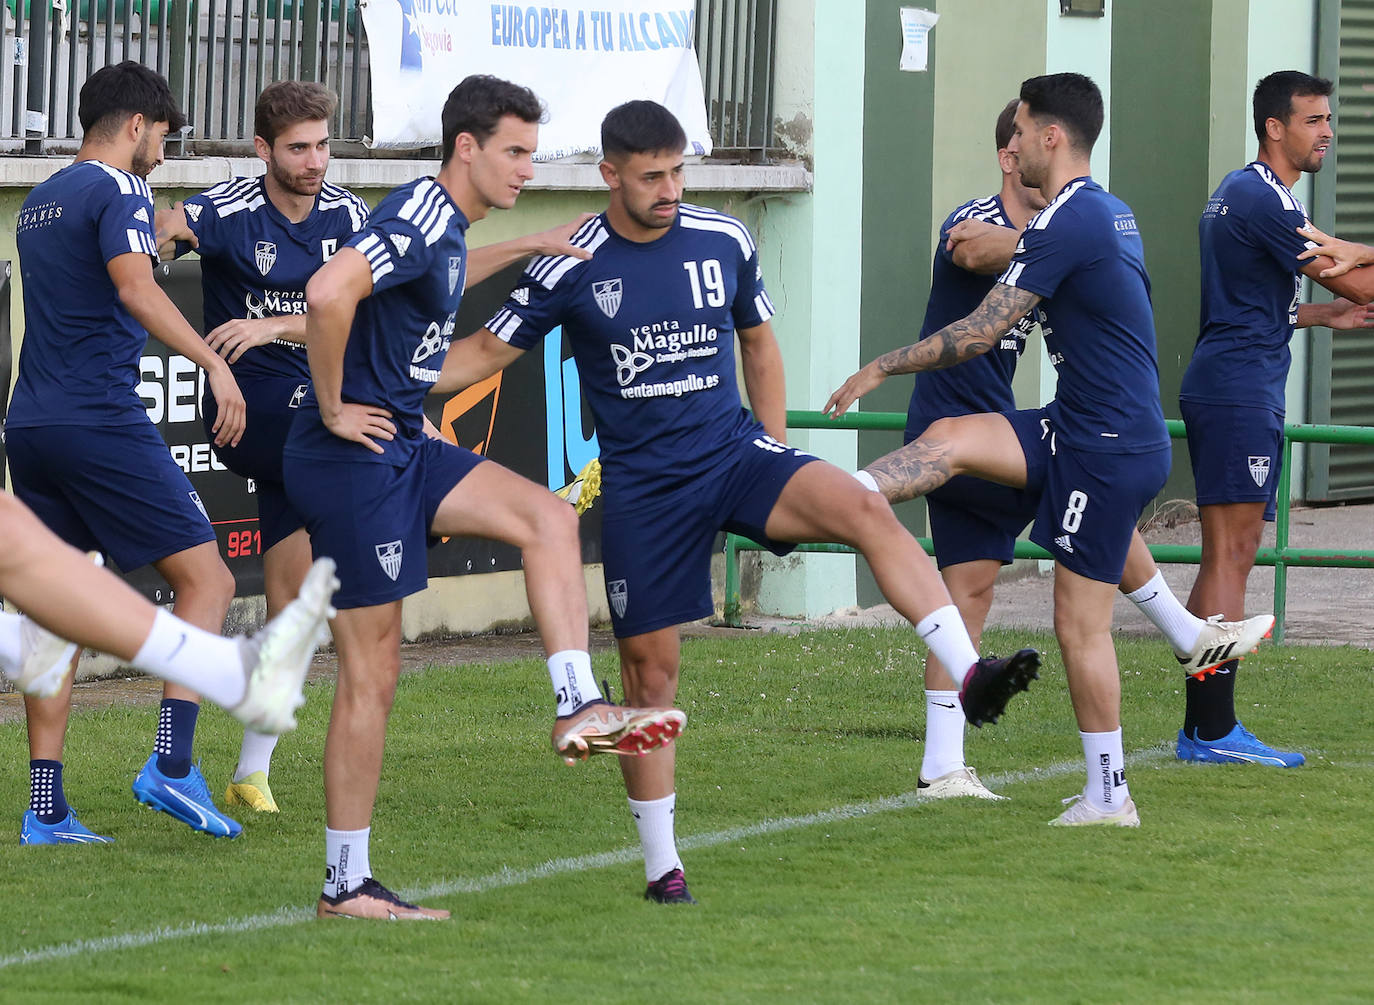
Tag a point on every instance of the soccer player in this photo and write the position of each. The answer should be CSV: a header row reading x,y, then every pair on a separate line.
x,y
1099,452
653,320
260,240
974,523
1232,396
374,489
83,454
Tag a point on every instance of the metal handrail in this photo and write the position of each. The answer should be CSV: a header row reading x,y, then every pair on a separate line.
x,y
1281,557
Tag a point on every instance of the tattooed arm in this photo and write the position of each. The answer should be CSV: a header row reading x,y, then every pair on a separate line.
x,y
976,334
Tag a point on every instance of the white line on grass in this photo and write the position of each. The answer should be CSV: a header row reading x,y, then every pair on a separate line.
x,y
285,916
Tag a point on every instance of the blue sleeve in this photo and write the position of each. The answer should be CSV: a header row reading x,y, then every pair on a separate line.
x,y
395,250
1046,254
752,306
1272,224
532,310
124,224
205,223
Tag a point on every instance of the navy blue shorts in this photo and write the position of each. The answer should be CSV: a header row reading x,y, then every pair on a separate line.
x,y
1091,503
272,403
114,489
1236,451
974,520
658,558
374,519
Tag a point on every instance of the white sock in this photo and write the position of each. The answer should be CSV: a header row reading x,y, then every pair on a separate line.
x,y
654,818
345,860
1158,603
208,664
943,632
255,754
1106,789
11,644
944,735
867,480
573,684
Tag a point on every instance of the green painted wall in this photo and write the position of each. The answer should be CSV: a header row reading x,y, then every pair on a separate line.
x,y
1160,165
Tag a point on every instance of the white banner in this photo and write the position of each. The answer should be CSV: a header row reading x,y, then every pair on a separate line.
x,y
582,59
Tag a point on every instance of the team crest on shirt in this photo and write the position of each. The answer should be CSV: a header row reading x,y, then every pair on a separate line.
x,y
619,596
1259,469
195,498
608,294
193,210
455,269
389,556
265,256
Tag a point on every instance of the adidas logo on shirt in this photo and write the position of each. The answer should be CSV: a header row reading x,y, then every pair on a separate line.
x,y
142,215
1064,542
401,243
193,211
521,296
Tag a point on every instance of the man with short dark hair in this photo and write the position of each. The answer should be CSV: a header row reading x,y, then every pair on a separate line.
x,y
83,453
974,522
653,319
374,490
1232,397
1099,452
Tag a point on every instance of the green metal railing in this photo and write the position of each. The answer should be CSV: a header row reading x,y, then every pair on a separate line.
x,y
1281,557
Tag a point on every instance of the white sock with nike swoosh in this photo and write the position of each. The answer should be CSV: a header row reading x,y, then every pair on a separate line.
x,y
208,664
944,748
1158,603
943,632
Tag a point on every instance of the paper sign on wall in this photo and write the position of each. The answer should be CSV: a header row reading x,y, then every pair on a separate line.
x,y
916,25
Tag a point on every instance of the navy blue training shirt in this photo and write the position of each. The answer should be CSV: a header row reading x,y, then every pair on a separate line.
x,y
79,361
982,384
414,245
652,327
1083,254
257,262
1250,290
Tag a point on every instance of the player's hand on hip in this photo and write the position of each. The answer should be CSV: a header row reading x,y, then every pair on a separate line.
x,y
233,413
853,389
363,424
233,338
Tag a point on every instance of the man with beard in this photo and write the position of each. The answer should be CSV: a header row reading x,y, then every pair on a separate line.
x,y
84,456
1232,397
653,318
260,240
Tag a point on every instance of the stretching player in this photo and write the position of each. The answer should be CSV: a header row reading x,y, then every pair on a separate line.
x,y
83,453
374,489
1099,452
1232,397
652,319
974,523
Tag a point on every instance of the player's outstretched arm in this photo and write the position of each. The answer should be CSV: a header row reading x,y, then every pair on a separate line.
x,y
492,258
974,335
132,275
1344,255
1339,314
332,297
761,362
472,359
981,247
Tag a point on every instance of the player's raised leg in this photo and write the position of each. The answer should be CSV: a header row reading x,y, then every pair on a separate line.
x,y
495,503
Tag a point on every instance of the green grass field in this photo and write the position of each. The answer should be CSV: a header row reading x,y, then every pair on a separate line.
x,y
821,877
